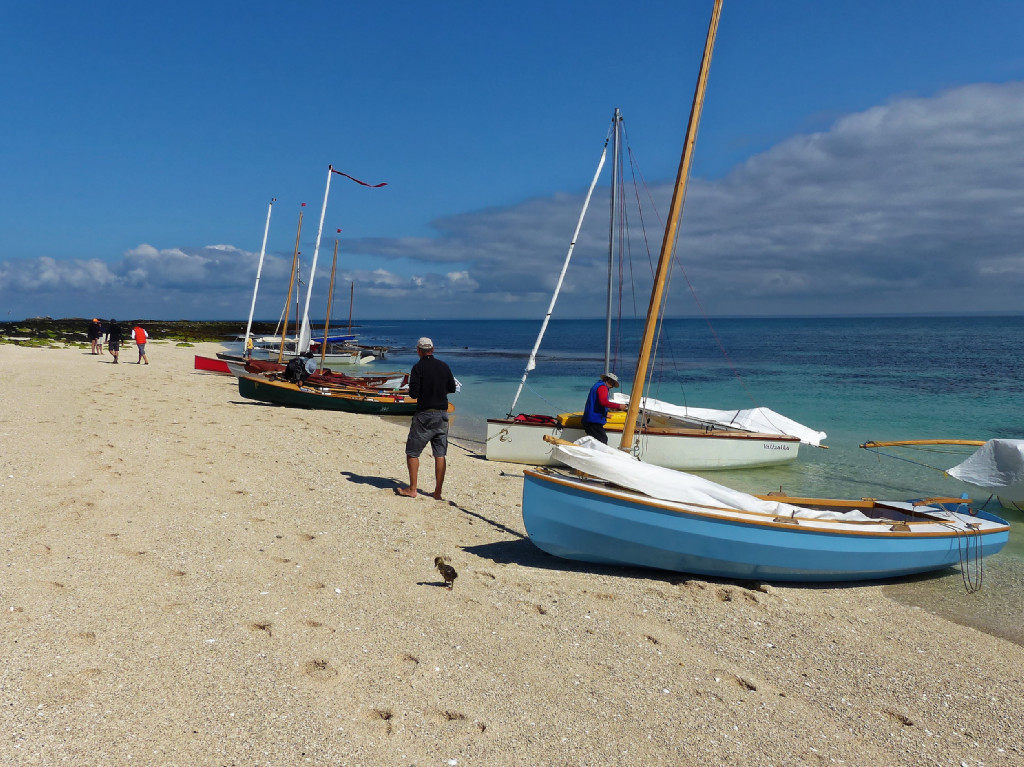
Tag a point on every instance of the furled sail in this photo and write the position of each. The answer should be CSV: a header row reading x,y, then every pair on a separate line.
x,y
620,468
760,420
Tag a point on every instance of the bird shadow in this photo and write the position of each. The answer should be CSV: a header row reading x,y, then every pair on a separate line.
x,y
438,584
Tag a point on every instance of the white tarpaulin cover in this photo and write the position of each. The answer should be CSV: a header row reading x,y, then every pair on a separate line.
x,y
997,466
599,460
760,419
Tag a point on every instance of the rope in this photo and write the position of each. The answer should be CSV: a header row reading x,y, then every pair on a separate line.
x,y
972,567
972,582
876,451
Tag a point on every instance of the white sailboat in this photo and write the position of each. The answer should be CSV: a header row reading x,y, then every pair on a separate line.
x,y
338,349
677,437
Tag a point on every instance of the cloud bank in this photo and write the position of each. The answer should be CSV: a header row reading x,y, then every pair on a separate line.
x,y
912,206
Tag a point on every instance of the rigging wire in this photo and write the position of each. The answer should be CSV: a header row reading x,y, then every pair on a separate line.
x,y
878,452
663,342
693,291
552,405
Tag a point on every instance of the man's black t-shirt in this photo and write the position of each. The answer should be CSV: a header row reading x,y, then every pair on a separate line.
x,y
430,383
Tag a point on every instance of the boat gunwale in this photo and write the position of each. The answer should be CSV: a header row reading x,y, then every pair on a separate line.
x,y
661,431
806,525
354,395
338,393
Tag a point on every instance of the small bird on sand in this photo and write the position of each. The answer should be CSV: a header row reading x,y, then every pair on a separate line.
x,y
446,570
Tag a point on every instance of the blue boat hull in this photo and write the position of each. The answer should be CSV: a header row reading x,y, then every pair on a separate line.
x,y
568,520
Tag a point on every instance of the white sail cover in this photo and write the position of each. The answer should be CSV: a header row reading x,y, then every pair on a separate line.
x,y
997,466
760,419
599,460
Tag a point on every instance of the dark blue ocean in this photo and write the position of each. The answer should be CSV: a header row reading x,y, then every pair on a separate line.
x,y
858,379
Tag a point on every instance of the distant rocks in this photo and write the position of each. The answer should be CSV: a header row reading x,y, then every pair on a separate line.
x,y
72,330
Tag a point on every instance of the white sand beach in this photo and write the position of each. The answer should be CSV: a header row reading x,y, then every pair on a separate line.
x,y
190,578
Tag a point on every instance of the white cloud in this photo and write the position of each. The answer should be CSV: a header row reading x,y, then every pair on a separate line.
x,y
891,209
915,205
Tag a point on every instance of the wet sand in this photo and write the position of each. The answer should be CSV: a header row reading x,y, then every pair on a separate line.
x,y
191,578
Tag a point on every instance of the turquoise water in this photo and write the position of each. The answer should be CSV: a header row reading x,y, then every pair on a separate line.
x,y
857,379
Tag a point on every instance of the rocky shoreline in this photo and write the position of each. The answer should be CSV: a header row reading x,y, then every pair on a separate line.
x,y
69,331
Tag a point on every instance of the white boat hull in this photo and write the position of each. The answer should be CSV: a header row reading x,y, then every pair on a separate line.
x,y
688,450
348,358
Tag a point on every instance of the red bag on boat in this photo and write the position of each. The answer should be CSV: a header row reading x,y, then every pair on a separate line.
x,y
542,420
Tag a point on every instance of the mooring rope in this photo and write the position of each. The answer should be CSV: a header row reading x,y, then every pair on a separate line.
x,y
972,573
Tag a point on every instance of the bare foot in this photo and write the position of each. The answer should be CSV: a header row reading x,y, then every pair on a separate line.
x,y
407,492
436,495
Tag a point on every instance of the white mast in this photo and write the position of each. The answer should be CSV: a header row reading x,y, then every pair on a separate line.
x,y
616,128
304,335
532,362
259,270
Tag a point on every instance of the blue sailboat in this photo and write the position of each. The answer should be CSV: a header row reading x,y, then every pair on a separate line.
x,y
625,512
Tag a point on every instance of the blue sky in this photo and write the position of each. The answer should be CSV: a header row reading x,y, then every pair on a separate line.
x,y
854,157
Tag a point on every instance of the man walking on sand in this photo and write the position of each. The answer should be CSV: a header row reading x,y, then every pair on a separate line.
x,y
114,338
95,335
139,334
430,383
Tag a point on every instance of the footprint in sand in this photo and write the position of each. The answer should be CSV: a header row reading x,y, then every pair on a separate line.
x,y
320,670
459,720
262,626
383,715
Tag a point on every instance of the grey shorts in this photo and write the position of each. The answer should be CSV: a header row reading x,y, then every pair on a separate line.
x,y
141,348
428,426
114,346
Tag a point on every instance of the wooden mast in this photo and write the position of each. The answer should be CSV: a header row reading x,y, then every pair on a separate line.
x,y
330,300
291,286
671,227
351,299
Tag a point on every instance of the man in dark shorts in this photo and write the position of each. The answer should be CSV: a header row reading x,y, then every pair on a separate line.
x,y
114,338
95,336
430,383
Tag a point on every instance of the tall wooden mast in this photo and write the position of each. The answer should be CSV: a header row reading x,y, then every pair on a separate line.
x,y
671,227
291,287
330,301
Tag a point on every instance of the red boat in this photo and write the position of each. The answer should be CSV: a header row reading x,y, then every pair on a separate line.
x,y
212,365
